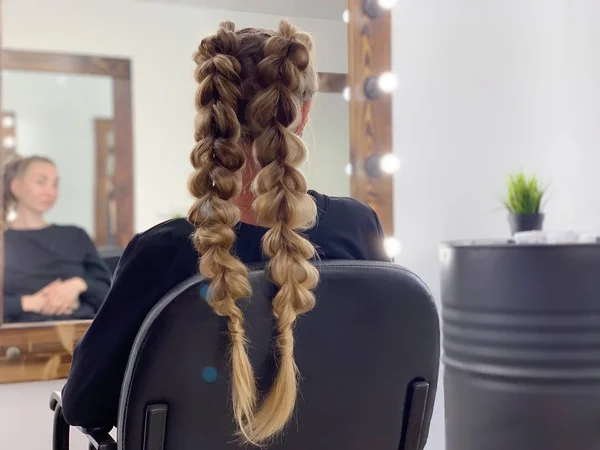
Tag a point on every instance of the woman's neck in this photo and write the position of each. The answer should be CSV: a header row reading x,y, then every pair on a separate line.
x,y
246,197
28,220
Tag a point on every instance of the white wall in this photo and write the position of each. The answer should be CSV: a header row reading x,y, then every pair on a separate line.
x,y
26,419
487,88
55,116
160,40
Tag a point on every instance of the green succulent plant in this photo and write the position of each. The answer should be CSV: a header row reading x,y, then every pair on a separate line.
x,y
525,194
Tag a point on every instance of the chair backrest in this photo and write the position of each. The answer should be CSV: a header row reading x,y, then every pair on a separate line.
x,y
110,256
362,353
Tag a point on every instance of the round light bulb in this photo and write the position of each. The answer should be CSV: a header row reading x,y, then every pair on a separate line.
x,y
9,142
346,93
389,163
392,246
387,82
8,121
349,169
346,16
387,4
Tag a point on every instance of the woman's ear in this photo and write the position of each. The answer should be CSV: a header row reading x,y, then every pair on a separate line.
x,y
15,186
305,110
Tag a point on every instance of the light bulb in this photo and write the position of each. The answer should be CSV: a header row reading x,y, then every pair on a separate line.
x,y
346,16
349,169
8,121
9,142
389,163
387,82
392,246
346,93
387,4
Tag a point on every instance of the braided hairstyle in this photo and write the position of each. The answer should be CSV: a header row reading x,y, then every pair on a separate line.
x,y
253,84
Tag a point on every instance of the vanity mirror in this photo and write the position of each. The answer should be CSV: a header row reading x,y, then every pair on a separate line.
x,y
68,198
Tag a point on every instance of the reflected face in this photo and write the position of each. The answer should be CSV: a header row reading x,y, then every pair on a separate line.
x,y
37,188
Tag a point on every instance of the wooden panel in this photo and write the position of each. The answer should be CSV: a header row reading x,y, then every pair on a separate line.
x,y
123,161
369,45
102,128
332,82
66,63
33,352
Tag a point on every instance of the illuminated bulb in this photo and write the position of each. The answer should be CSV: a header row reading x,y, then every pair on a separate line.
x,y
346,93
346,16
387,4
11,216
8,121
389,163
9,142
392,246
387,82
349,169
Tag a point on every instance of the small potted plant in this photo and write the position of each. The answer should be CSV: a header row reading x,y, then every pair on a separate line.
x,y
524,203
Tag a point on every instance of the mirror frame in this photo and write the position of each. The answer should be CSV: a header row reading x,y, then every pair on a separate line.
x,y
369,55
43,351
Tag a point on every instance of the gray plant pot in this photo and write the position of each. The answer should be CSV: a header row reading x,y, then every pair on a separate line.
x,y
525,222
521,336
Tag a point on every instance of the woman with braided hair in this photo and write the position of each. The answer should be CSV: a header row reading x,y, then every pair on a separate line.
x,y
254,94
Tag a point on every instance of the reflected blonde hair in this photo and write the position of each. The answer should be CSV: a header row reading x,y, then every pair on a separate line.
x,y
252,85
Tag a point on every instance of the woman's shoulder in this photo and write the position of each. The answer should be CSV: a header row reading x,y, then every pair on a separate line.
x,y
52,229
65,228
347,229
68,232
342,207
169,237
167,233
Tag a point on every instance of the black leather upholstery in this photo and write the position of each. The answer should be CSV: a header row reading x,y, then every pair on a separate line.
x,y
111,256
373,334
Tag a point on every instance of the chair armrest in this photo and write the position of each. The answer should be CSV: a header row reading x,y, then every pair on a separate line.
x,y
55,400
98,437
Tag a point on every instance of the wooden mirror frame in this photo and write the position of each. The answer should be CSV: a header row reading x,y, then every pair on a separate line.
x,y
370,54
42,351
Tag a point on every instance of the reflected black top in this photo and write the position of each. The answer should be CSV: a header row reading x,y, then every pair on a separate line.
x,y
155,262
35,258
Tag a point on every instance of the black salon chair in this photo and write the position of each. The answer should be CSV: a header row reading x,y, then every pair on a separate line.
x,y
110,255
368,355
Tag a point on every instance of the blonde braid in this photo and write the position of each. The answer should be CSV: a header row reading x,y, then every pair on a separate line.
x,y
285,77
218,158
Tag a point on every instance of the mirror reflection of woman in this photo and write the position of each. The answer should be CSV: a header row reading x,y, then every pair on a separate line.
x,y
51,272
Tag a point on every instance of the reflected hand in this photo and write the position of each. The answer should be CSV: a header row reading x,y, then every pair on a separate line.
x,y
63,298
37,302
